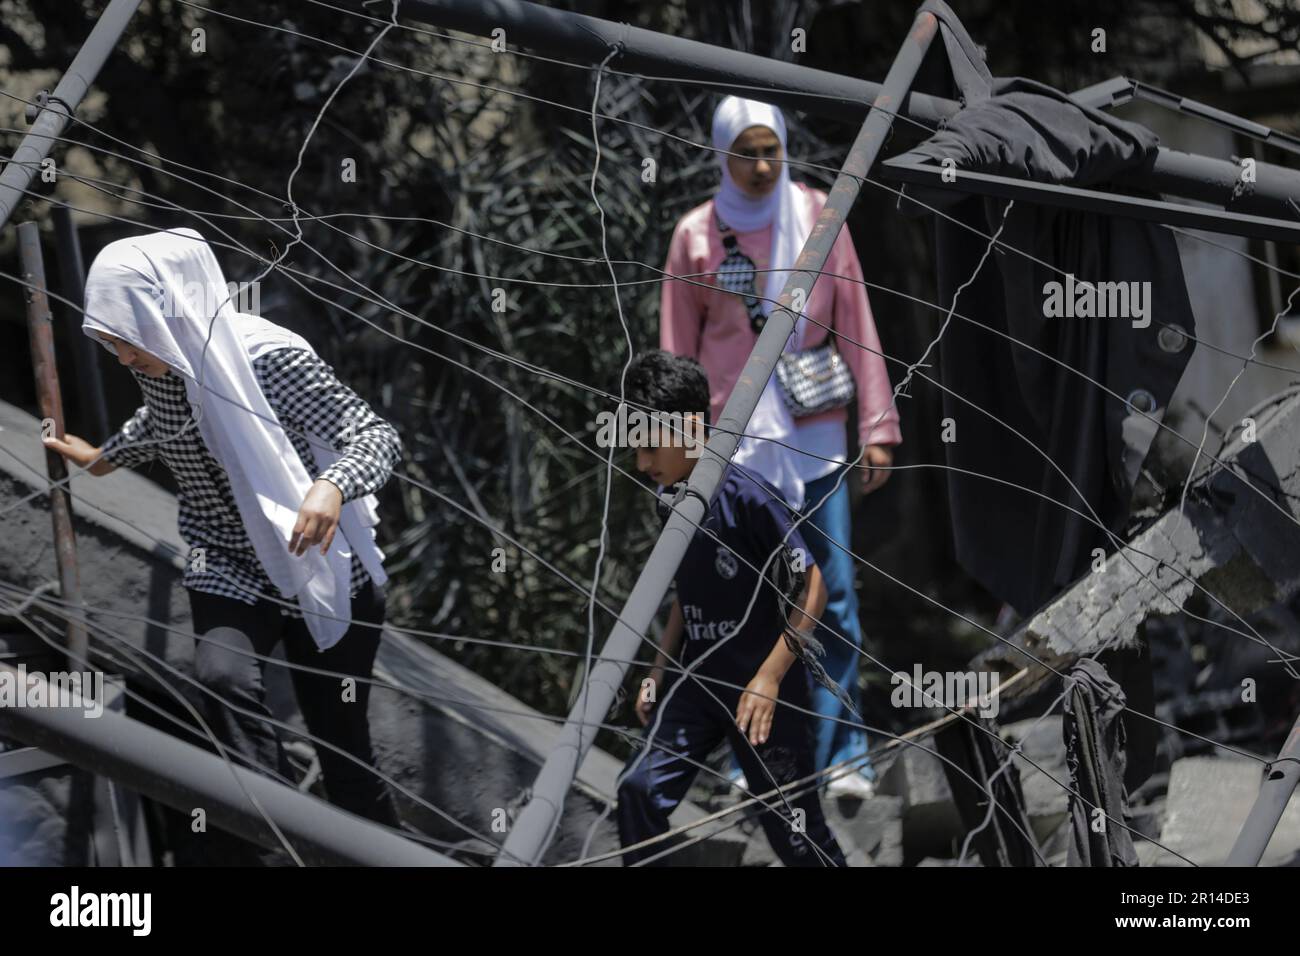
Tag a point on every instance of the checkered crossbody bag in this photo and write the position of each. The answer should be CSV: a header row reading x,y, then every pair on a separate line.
x,y
812,381
815,380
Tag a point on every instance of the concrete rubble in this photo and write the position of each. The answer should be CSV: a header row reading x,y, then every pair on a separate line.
x,y
1207,801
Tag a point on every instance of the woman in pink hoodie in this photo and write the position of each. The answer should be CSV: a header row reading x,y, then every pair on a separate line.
x,y
738,247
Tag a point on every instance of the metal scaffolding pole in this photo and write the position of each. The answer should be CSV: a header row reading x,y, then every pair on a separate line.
x,y
186,778
1274,793
1121,89
53,117
532,830
573,36
40,331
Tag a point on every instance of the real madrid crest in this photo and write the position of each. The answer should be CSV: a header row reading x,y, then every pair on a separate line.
x,y
725,564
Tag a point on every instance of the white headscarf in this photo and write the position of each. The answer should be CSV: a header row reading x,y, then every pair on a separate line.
x,y
785,209
162,293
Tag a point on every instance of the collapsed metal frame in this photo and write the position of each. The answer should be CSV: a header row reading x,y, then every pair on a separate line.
x,y
1121,89
575,36
589,39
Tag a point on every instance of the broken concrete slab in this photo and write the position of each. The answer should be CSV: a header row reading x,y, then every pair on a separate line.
x,y
1044,776
1237,538
1055,846
1148,820
758,851
1151,854
1235,541
930,861
930,819
1207,803
870,829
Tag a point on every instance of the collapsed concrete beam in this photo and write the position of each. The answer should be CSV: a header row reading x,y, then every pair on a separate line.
x,y
1237,538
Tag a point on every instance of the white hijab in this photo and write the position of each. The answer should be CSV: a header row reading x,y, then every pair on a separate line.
x,y
162,293
785,209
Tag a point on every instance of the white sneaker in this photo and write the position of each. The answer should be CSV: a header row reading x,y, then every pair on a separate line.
x,y
740,783
852,784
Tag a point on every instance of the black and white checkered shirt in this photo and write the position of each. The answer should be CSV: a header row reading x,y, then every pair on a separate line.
x,y
306,397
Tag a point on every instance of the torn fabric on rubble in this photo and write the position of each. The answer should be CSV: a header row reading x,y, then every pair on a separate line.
x,y
1096,753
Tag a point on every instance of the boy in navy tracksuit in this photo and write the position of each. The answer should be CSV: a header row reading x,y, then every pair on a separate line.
x,y
773,744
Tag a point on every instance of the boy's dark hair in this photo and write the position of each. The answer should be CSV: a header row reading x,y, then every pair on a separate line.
x,y
664,382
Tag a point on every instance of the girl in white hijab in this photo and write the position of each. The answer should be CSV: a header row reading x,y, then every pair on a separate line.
x,y
784,209
263,506
165,295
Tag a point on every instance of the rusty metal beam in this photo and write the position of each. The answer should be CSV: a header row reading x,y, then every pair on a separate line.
x,y
55,109
40,330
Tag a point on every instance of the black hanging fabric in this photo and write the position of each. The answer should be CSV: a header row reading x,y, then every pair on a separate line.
x,y
1096,754
1022,547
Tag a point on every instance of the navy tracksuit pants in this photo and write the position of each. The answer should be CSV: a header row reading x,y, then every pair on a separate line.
x,y
693,725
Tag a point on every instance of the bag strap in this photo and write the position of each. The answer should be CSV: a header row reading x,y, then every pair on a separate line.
x,y
729,243
728,237
816,348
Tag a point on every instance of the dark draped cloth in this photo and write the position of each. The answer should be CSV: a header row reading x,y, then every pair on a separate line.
x,y
1022,547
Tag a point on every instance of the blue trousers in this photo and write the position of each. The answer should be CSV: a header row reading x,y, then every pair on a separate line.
x,y
836,742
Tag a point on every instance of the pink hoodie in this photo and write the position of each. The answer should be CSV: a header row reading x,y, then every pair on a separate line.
x,y
712,326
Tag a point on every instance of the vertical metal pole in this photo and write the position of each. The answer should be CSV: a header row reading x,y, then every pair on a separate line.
x,y
1274,793
62,103
41,332
532,831
85,356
